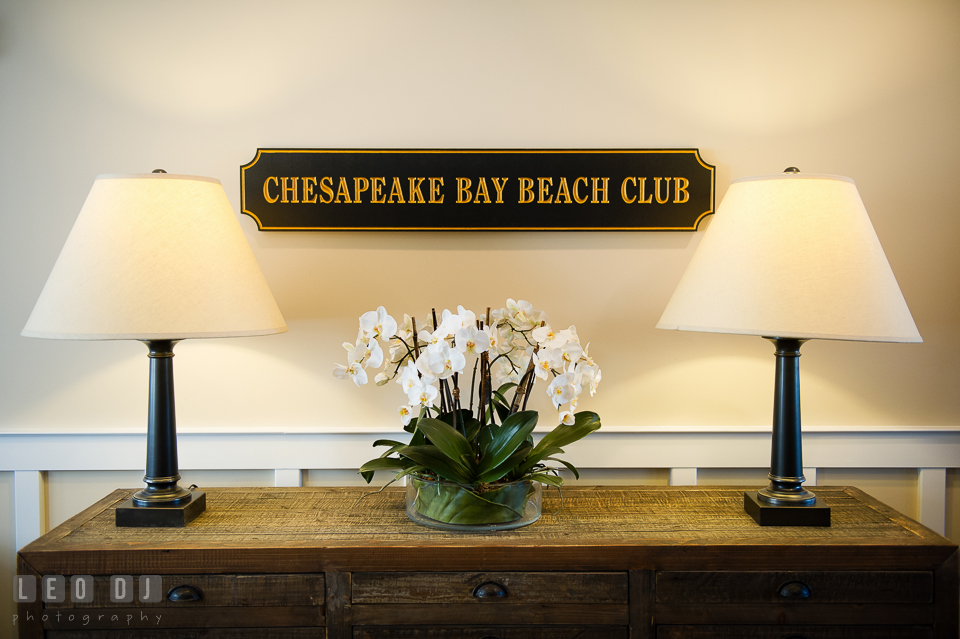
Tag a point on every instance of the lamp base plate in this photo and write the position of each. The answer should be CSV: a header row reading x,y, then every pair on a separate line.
x,y
130,515
816,514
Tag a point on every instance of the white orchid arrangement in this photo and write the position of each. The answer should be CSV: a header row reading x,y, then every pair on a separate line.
x,y
512,347
515,344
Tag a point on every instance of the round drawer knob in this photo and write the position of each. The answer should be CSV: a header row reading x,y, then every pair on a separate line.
x,y
490,590
795,590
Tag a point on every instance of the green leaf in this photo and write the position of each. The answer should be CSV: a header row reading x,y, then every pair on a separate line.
x,y
450,442
382,463
498,472
412,426
471,429
394,446
432,458
544,478
570,467
388,442
584,423
506,439
456,504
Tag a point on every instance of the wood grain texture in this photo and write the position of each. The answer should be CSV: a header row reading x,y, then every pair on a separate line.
x,y
849,614
181,633
220,590
539,614
519,587
642,600
302,557
780,632
491,632
824,587
29,623
316,530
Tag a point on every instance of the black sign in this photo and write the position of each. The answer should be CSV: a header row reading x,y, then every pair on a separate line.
x,y
477,190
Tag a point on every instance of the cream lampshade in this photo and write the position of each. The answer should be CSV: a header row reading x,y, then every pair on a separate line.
x,y
158,258
791,257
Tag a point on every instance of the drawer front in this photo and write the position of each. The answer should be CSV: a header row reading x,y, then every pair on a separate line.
x,y
491,632
881,587
186,591
487,587
186,633
793,632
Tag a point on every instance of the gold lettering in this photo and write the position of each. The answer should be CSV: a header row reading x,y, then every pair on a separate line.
x,y
482,191
598,190
376,197
396,191
416,197
291,190
308,195
656,190
678,189
435,184
643,191
266,190
623,190
576,190
499,187
545,184
357,189
564,192
344,192
463,190
526,190
326,185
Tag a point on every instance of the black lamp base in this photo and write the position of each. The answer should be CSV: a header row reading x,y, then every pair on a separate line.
x,y
129,515
816,514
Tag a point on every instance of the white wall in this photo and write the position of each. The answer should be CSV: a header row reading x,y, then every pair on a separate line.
x,y
861,88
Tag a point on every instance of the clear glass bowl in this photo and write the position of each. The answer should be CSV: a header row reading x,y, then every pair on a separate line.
x,y
451,506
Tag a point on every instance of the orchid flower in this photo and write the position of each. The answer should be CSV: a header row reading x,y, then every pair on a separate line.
x,y
423,395
409,377
467,318
406,414
471,340
571,352
370,353
353,371
378,324
562,389
542,364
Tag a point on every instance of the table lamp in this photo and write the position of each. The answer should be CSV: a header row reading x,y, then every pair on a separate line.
x,y
158,258
789,258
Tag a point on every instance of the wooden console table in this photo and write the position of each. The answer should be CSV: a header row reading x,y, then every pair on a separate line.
x,y
614,563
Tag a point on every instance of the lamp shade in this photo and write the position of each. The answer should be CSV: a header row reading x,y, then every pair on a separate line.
x,y
155,256
791,256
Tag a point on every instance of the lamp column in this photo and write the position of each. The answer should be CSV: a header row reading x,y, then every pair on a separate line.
x,y
162,468
786,455
785,502
163,503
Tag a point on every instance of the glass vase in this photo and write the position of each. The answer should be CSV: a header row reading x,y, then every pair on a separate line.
x,y
469,508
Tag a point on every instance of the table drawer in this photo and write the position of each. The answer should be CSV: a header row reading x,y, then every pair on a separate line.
x,y
487,587
842,587
793,632
186,633
491,632
283,590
